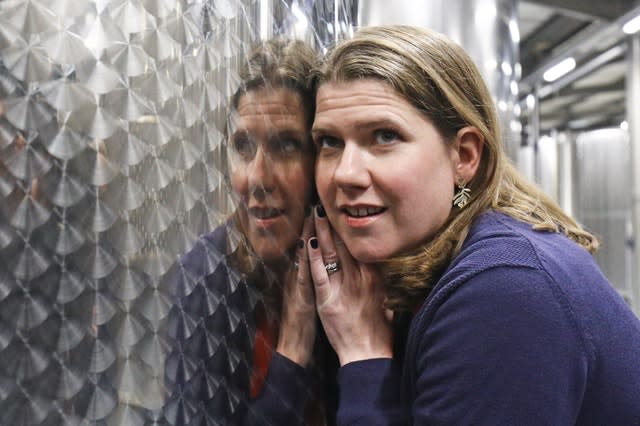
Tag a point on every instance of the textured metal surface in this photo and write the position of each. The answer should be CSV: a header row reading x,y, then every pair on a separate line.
x,y
604,200
111,118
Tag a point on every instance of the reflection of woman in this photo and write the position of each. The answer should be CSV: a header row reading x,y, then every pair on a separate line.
x,y
227,327
500,314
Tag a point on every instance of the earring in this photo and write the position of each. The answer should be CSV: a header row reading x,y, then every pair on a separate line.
x,y
462,196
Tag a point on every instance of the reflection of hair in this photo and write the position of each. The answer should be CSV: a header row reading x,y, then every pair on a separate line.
x,y
280,63
276,63
437,77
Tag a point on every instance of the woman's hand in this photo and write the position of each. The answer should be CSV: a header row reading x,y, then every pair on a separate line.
x,y
349,300
298,320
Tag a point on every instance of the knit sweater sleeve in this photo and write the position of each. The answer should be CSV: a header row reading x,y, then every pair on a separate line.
x,y
501,348
282,400
370,394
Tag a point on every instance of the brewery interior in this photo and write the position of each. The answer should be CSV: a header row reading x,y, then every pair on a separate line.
x,y
111,148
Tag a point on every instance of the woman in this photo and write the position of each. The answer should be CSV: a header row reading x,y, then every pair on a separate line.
x,y
452,291
238,283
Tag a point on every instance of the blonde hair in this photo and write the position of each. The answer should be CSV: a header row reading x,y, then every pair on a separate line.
x,y
439,78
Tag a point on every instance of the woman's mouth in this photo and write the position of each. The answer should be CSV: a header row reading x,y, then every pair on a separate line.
x,y
362,211
264,212
361,216
265,217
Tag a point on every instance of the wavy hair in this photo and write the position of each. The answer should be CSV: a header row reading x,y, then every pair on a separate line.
x,y
439,79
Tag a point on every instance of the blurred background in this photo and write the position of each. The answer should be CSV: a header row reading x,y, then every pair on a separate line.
x,y
111,146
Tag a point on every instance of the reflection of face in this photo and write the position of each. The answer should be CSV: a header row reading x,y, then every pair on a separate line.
x,y
384,173
271,168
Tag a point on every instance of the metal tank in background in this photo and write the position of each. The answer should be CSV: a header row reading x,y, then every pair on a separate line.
x,y
603,201
588,174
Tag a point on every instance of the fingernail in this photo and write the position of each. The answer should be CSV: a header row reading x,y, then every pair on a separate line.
x,y
320,211
300,243
314,243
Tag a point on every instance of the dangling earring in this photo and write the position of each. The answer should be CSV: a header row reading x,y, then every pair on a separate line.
x,y
461,197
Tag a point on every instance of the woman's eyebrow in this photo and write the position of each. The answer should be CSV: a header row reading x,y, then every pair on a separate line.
x,y
288,132
239,133
365,124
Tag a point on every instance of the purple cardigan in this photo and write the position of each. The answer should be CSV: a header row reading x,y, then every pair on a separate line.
x,y
522,329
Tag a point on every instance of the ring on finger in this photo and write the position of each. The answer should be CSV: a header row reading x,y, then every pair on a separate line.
x,y
332,267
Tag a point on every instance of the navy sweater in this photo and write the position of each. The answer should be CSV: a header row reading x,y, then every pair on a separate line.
x,y
522,329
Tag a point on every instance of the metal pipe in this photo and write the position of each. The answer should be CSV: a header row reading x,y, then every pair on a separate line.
x,y
633,118
583,70
583,45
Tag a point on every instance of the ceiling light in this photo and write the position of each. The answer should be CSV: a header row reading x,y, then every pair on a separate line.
x,y
632,26
560,69
531,101
514,30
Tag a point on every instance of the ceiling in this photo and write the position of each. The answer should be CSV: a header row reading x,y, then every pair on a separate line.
x,y
593,95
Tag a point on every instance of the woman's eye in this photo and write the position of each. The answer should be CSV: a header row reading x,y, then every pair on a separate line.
x,y
327,142
385,136
287,146
245,147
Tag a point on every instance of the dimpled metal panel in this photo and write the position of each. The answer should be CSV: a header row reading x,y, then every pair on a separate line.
x,y
111,146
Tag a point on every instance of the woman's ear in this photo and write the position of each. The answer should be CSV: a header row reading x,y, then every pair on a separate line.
x,y
469,144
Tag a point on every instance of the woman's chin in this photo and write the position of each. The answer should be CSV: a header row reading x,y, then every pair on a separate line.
x,y
365,254
271,253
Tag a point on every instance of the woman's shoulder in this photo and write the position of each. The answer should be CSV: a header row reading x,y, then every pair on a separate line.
x,y
497,239
208,251
217,240
503,256
506,263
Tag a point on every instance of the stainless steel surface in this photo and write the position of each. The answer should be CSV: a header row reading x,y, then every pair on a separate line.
x,y
633,117
111,124
603,201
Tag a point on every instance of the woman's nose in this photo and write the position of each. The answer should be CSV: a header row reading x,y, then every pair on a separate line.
x,y
352,170
260,173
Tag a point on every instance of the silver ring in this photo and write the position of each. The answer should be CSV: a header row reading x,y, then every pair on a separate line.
x,y
332,267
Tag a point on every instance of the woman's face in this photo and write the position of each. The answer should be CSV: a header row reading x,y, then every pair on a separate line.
x,y
384,173
271,161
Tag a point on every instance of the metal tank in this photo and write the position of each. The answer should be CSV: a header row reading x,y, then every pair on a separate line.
x,y
588,174
603,202
486,29
111,142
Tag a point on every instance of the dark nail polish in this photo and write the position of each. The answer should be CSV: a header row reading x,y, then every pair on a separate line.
x,y
300,243
314,243
320,211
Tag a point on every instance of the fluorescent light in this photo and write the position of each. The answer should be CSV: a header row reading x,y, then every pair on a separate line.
x,y
264,19
302,22
506,68
514,30
559,69
514,88
531,101
632,25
